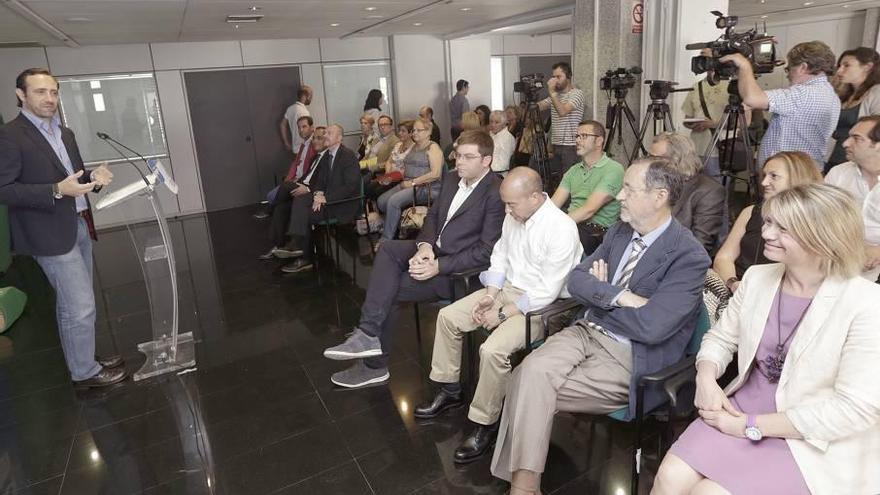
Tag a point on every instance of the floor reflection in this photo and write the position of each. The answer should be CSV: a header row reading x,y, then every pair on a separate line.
x,y
258,414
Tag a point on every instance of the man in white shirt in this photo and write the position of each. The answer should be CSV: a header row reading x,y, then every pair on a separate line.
x,y
859,177
294,112
529,267
505,143
458,234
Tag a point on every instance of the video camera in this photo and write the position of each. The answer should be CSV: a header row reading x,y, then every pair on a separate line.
x,y
529,85
619,78
759,49
660,90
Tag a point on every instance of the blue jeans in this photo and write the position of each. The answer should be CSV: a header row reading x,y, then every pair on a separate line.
x,y
393,201
70,274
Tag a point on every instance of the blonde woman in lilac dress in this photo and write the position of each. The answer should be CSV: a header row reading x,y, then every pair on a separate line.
x,y
802,415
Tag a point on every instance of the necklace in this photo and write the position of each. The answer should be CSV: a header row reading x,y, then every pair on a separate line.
x,y
775,362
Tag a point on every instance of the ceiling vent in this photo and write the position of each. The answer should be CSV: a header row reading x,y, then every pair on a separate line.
x,y
243,18
20,44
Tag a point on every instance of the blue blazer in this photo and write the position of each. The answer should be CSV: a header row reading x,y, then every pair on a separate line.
x,y
670,275
39,224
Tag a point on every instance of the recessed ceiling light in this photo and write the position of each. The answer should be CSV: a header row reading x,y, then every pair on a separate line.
x,y
236,26
369,9
807,4
254,8
763,17
846,6
763,1
417,24
78,19
465,9
335,24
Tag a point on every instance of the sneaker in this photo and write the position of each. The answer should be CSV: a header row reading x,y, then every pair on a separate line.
x,y
357,345
269,255
300,265
359,375
261,215
284,252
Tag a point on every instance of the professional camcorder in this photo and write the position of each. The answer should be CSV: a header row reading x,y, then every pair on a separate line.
x,y
759,49
619,78
660,90
529,85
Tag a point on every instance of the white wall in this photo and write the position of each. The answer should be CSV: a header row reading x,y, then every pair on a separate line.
x,y
469,59
169,61
419,66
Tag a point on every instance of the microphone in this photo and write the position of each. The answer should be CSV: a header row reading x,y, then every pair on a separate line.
x,y
109,140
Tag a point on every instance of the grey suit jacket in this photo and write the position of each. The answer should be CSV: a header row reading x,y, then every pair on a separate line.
x,y
670,275
701,209
467,240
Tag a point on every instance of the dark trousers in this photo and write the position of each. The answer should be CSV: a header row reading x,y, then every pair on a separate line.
x,y
279,209
390,284
301,220
591,236
563,158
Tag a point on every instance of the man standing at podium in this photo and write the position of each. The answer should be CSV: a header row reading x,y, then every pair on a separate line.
x,y
44,183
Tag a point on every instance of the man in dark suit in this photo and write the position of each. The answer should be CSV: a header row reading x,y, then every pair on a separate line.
x,y
44,184
642,292
295,184
337,178
459,232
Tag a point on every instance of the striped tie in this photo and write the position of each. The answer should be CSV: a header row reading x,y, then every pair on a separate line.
x,y
625,274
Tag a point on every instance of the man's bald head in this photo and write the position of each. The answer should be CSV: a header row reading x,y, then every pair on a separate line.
x,y
522,193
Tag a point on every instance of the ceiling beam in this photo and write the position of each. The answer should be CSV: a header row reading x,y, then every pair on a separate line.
x,y
35,19
406,15
534,16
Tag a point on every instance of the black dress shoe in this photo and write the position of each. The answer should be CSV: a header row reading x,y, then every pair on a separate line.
x,y
104,378
443,401
476,444
110,361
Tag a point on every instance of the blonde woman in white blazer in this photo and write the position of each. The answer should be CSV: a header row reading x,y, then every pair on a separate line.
x,y
807,422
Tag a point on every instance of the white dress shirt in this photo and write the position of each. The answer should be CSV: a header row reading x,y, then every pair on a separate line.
x,y
535,256
505,144
463,193
848,176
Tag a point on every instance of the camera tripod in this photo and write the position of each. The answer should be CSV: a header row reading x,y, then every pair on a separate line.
x,y
658,113
615,115
540,159
731,123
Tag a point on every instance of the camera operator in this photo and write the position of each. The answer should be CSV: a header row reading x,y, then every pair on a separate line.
x,y
566,104
707,102
806,112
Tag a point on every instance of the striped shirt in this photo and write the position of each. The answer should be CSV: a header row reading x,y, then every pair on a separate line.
x,y
564,128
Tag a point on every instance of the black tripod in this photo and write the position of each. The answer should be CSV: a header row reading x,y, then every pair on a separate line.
x,y
615,115
540,159
735,130
658,114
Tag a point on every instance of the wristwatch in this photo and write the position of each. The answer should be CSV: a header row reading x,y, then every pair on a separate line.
x,y
501,315
55,192
752,432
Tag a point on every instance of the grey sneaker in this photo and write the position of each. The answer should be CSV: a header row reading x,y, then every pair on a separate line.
x,y
284,253
357,345
359,375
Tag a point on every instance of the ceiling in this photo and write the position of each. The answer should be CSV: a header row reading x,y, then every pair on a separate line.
x,y
96,22
99,22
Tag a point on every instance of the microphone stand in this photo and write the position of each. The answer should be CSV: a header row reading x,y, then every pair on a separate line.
x,y
109,140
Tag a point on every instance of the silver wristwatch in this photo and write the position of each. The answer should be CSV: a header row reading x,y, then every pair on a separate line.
x,y
501,315
752,432
55,192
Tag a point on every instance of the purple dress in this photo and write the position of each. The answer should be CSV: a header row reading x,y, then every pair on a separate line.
x,y
738,464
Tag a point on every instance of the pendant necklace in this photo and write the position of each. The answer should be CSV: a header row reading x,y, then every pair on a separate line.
x,y
775,362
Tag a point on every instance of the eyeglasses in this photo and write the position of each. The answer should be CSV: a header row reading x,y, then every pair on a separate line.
x,y
585,136
419,130
466,156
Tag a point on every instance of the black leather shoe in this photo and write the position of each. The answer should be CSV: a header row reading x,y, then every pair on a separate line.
x,y
476,444
443,401
110,361
104,378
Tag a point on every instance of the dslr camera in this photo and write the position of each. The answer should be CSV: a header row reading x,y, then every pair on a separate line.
x,y
758,49
619,78
529,85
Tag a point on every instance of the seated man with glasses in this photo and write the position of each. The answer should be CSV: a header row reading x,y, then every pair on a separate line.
x,y
459,232
590,186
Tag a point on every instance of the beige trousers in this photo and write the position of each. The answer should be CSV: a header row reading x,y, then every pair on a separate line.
x,y
576,370
453,322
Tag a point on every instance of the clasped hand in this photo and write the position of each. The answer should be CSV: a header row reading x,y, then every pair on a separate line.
x,y
716,410
318,202
424,264
485,312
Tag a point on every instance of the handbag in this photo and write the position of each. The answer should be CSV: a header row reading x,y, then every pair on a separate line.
x,y
715,295
413,218
372,224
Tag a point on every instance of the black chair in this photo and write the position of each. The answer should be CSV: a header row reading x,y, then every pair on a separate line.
x,y
331,223
677,382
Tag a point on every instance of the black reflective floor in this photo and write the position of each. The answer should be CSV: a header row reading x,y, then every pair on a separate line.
x,y
259,414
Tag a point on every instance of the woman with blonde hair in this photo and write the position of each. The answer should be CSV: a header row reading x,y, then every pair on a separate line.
x,y
369,136
801,417
744,246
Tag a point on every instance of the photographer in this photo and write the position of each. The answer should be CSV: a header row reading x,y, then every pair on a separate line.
x,y
566,104
806,112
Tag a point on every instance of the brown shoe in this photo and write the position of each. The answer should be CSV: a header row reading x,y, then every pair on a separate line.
x,y
104,378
